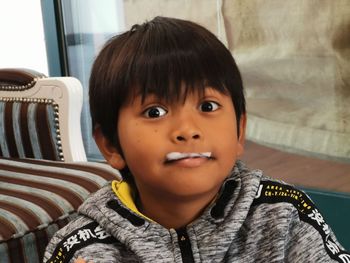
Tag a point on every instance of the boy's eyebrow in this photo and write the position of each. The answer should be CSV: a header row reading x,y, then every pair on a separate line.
x,y
149,96
201,92
146,98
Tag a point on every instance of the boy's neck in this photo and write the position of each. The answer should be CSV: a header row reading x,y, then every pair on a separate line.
x,y
174,213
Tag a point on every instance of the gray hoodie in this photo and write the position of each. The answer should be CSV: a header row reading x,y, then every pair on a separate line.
x,y
254,219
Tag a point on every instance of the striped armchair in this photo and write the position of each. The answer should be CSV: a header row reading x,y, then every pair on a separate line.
x,y
44,175
39,116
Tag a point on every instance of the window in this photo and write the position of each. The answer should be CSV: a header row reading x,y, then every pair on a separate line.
x,y
87,25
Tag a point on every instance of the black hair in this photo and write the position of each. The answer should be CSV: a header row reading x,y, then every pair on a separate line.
x,y
160,57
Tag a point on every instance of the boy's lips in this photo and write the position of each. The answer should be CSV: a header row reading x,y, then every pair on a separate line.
x,y
189,160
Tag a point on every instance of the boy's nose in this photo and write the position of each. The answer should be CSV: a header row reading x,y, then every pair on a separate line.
x,y
187,137
186,131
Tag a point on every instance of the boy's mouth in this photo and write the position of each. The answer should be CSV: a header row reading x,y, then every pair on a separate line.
x,y
177,156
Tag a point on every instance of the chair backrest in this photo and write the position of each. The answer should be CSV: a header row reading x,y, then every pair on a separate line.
x,y
40,116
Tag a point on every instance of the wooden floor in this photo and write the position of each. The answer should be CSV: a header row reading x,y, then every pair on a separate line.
x,y
299,170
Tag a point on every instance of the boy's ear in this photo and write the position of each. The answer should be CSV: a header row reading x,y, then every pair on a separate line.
x,y
241,137
108,150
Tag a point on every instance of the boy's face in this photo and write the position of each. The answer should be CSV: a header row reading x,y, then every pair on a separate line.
x,y
179,150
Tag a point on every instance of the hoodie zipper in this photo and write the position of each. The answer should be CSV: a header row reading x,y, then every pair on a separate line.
x,y
185,245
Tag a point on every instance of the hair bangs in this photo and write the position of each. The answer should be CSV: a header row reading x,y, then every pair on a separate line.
x,y
170,66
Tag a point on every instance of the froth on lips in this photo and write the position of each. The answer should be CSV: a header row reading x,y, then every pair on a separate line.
x,y
177,156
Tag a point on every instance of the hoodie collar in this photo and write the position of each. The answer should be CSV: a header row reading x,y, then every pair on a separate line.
x,y
127,196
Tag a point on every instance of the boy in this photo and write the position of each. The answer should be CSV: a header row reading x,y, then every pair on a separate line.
x,y
168,111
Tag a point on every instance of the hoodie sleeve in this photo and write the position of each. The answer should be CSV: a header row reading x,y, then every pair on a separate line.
x,y
311,240
308,238
91,251
72,240
55,240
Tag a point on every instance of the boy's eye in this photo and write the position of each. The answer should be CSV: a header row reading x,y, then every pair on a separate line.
x,y
209,106
154,112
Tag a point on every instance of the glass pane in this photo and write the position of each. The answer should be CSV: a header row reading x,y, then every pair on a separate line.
x,y
296,73
87,26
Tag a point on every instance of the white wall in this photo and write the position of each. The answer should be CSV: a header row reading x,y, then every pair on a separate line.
x,y
22,41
